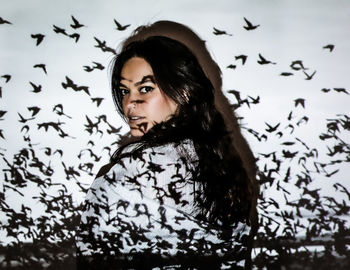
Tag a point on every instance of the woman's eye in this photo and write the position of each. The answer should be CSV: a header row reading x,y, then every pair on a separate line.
x,y
123,92
146,89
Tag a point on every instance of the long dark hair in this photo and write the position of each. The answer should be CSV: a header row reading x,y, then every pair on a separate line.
x,y
225,194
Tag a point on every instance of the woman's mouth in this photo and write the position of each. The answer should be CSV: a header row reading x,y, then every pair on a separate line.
x,y
135,119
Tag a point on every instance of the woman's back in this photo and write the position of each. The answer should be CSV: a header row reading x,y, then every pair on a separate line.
x,y
145,206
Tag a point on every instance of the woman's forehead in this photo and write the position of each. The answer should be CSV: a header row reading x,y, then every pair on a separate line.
x,y
136,70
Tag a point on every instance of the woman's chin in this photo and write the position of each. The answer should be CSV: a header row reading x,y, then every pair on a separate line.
x,y
137,133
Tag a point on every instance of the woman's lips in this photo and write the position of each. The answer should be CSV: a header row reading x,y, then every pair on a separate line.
x,y
135,119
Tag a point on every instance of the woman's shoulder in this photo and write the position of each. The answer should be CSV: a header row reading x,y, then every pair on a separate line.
x,y
172,151
135,156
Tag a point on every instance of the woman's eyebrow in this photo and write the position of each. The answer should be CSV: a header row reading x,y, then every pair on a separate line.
x,y
143,80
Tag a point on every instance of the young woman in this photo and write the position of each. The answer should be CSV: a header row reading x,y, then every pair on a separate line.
x,y
179,193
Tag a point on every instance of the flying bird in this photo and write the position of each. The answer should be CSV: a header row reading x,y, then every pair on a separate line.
x,y
58,108
96,66
7,77
254,100
286,74
288,154
263,61
1,134
231,66
2,113
26,128
218,32
98,100
291,128
36,88
341,90
58,151
290,116
308,76
102,45
119,26
325,90
303,119
23,120
70,84
76,24
330,47
300,101
297,65
75,36
242,57
270,128
38,37
42,66
34,110
59,30
249,26
2,21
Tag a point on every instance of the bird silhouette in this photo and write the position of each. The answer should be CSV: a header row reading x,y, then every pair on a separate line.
x,y
102,45
98,66
270,128
325,90
254,100
288,154
242,57
341,90
297,65
7,77
38,37
76,24
36,88
42,66
88,68
95,66
2,113
299,101
75,36
98,100
24,120
218,32
304,119
119,26
263,61
35,110
329,47
70,84
231,66
58,151
309,76
286,74
249,26
58,108
291,128
290,116
3,21
112,129
59,30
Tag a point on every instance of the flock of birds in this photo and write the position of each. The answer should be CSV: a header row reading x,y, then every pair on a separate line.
x,y
283,169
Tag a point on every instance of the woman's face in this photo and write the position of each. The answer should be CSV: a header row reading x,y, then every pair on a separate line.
x,y
144,104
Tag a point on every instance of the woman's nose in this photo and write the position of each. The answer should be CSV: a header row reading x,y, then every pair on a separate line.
x,y
133,101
